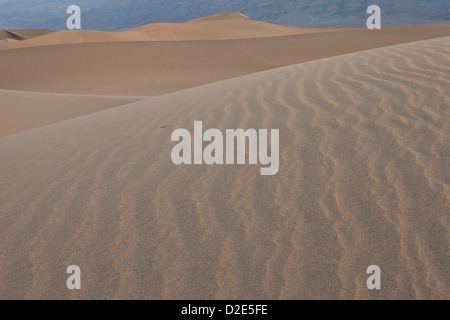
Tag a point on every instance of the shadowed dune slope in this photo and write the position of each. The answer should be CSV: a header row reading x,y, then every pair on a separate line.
x,y
364,179
22,34
154,68
23,110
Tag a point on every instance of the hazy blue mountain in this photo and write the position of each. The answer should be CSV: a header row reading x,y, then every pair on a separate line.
x,y
39,14
119,14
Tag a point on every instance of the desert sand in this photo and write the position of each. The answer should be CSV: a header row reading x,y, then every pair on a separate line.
x,y
24,110
364,176
149,68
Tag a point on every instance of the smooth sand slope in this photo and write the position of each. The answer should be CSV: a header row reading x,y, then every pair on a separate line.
x,y
364,179
155,67
23,110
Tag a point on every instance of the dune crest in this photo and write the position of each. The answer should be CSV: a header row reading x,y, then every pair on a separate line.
x,y
224,16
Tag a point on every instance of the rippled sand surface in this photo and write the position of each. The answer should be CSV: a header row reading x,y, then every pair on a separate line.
x,y
364,179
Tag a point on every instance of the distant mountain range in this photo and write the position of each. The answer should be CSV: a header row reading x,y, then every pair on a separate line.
x,y
109,15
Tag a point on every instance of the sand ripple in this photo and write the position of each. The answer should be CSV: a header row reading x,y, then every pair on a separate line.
x,y
364,179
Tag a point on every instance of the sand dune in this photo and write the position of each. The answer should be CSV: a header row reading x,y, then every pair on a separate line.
x,y
154,68
364,179
225,26
22,110
231,25
144,68
228,26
